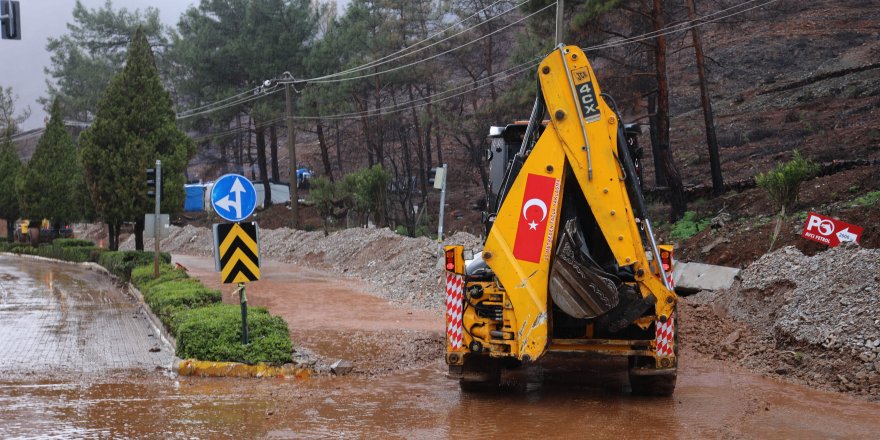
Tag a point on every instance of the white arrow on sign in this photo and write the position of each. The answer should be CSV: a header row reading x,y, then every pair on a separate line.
x,y
846,236
226,202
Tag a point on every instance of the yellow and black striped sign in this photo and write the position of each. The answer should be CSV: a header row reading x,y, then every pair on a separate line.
x,y
237,252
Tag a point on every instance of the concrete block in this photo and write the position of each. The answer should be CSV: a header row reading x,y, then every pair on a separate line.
x,y
341,367
694,277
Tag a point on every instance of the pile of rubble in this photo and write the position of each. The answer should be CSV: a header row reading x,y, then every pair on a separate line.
x,y
398,268
817,318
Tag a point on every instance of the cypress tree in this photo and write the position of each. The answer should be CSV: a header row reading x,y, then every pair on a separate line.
x,y
10,165
135,125
47,184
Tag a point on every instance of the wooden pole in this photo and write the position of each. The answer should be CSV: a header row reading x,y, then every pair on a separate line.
x,y
291,156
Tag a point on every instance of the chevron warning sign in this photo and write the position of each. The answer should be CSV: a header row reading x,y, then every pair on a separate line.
x,y
236,252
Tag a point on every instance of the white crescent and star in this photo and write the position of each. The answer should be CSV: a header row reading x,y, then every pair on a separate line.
x,y
540,204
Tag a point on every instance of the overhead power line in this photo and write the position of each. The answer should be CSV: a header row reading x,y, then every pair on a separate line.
x,y
679,27
391,58
246,96
423,60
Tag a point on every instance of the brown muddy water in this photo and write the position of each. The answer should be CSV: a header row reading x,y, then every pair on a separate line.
x,y
125,394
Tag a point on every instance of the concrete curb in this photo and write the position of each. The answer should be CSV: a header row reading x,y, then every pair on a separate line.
x,y
192,367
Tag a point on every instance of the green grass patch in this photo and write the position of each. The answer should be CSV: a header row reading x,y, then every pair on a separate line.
x,y
868,200
214,334
688,226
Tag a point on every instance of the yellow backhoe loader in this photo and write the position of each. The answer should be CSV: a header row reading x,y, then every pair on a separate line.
x,y
570,263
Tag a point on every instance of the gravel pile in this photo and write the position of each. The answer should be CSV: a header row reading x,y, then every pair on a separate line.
x,y
819,316
398,268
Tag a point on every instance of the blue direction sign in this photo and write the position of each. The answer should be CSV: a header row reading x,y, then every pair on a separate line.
x,y
234,197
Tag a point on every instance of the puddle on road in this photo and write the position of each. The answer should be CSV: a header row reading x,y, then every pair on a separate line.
x,y
711,401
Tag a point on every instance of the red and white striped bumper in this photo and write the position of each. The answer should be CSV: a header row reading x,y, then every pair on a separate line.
x,y
454,310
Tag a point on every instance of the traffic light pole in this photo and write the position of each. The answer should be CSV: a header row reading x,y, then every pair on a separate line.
x,y
156,226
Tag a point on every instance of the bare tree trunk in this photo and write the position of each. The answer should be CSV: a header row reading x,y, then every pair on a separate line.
x,y
708,117
261,162
338,149
659,176
325,155
423,181
139,234
239,150
273,148
250,148
111,237
676,188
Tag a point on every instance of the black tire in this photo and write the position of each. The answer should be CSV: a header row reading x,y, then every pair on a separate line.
x,y
657,385
471,386
481,374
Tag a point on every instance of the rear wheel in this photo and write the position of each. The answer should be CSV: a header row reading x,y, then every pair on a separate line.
x,y
480,374
653,385
646,381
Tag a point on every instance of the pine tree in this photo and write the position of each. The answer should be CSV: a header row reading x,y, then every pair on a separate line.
x,y
134,126
10,164
46,185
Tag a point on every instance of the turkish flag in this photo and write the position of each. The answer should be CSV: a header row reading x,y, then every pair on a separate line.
x,y
534,214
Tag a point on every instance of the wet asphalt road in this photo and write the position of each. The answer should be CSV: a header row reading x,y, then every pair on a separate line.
x,y
75,362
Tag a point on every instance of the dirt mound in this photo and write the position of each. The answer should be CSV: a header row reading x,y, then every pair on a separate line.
x,y
398,268
811,317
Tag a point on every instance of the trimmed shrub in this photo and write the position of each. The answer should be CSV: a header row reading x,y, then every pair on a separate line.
x,y
121,263
142,276
73,242
214,334
783,182
170,297
77,254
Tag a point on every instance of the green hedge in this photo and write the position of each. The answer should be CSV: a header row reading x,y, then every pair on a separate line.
x,y
121,263
206,329
142,276
73,242
77,254
214,334
168,298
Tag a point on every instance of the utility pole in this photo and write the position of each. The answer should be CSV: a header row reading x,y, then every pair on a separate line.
x,y
711,139
291,155
560,6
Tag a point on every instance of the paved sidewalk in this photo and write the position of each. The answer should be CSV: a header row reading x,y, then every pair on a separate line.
x,y
62,318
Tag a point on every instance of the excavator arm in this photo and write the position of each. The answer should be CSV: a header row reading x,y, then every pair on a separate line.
x,y
572,262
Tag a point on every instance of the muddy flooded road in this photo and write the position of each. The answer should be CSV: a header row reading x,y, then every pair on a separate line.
x,y
43,397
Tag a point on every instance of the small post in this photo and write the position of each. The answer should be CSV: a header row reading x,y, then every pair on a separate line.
x,y
442,205
244,326
156,226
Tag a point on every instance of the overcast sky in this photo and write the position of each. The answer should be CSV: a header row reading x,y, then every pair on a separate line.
x,y
22,61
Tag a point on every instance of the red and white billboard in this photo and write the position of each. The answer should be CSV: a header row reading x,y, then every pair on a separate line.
x,y
827,230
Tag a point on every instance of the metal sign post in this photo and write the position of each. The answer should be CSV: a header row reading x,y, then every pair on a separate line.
x,y
440,183
236,249
156,224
